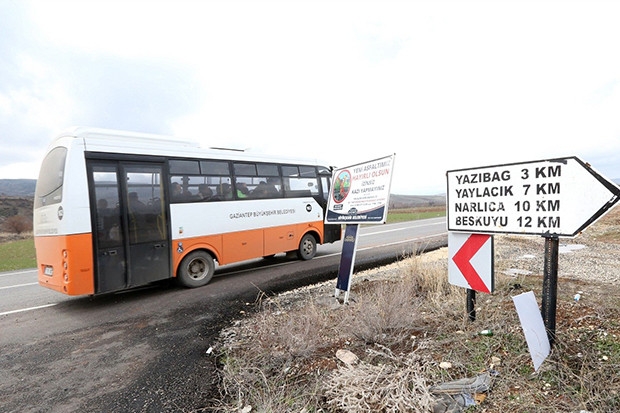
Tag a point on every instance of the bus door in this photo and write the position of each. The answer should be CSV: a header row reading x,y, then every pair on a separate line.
x,y
130,224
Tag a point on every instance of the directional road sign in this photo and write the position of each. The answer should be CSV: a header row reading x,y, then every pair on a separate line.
x,y
555,197
471,261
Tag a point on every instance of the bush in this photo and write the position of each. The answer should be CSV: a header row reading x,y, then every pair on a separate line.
x,y
17,224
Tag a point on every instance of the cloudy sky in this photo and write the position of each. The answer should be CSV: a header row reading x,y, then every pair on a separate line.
x,y
443,85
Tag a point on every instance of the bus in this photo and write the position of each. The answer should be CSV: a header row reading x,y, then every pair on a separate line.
x,y
116,210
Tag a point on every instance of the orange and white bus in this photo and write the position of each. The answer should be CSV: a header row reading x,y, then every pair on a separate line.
x,y
116,210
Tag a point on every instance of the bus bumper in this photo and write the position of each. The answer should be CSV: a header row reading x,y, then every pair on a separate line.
x,y
65,263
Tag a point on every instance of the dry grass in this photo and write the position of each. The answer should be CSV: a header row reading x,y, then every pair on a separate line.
x,y
10,236
402,323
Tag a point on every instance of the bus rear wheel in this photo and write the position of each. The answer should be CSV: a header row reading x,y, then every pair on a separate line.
x,y
196,269
307,248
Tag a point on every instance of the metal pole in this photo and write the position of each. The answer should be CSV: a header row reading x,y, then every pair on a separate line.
x,y
347,261
471,304
550,286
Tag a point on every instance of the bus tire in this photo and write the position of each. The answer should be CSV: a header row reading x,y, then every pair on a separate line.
x,y
196,269
307,248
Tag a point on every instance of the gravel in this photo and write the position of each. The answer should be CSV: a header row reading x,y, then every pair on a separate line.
x,y
586,257
581,258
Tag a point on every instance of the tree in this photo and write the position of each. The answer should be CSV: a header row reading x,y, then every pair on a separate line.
x,y
17,224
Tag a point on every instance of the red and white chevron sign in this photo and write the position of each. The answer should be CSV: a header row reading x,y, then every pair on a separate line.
x,y
470,263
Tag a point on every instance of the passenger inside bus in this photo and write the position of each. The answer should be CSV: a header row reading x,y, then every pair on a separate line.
x,y
260,191
224,191
204,192
242,190
135,205
266,190
177,191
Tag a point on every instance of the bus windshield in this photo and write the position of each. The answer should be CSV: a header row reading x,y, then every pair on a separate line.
x,y
49,184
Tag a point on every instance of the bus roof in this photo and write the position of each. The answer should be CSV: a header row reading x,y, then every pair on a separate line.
x,y
118,141
123,139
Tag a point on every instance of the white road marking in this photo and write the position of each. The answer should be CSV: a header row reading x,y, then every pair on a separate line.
x,y
21,310
5,274
18,285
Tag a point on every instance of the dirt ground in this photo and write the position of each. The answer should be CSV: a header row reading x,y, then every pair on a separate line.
x,y
580,374
169,368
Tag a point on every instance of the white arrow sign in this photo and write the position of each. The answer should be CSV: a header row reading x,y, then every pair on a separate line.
x,y
555,197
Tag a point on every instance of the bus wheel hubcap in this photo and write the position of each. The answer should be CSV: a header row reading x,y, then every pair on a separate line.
x,y
197,269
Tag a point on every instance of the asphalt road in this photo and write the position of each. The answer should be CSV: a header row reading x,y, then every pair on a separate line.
x,y
146,350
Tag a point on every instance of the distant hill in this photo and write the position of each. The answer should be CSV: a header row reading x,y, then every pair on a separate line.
x,y
17,187
15,205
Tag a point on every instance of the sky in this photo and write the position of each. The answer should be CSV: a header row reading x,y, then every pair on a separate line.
x,y
443,85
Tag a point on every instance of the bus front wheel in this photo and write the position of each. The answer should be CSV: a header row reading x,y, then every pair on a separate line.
x,y
307,248
196,269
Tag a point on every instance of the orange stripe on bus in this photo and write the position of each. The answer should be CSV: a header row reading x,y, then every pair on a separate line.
x,y
68,260
244,245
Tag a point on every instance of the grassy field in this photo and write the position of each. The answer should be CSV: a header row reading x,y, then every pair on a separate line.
x,y
411,214
17,255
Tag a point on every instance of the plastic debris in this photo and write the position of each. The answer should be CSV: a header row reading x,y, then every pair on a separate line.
x,y
453,403
577,297
479,384
488,333
458,395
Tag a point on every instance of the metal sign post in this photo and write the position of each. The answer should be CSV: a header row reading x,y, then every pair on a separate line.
x,y
471,304
345,270
550,286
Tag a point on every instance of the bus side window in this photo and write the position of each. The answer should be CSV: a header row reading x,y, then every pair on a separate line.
x,y
176,192
325,185
224,191
300,181
216,174
268,188
179,189
182,176
269,181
